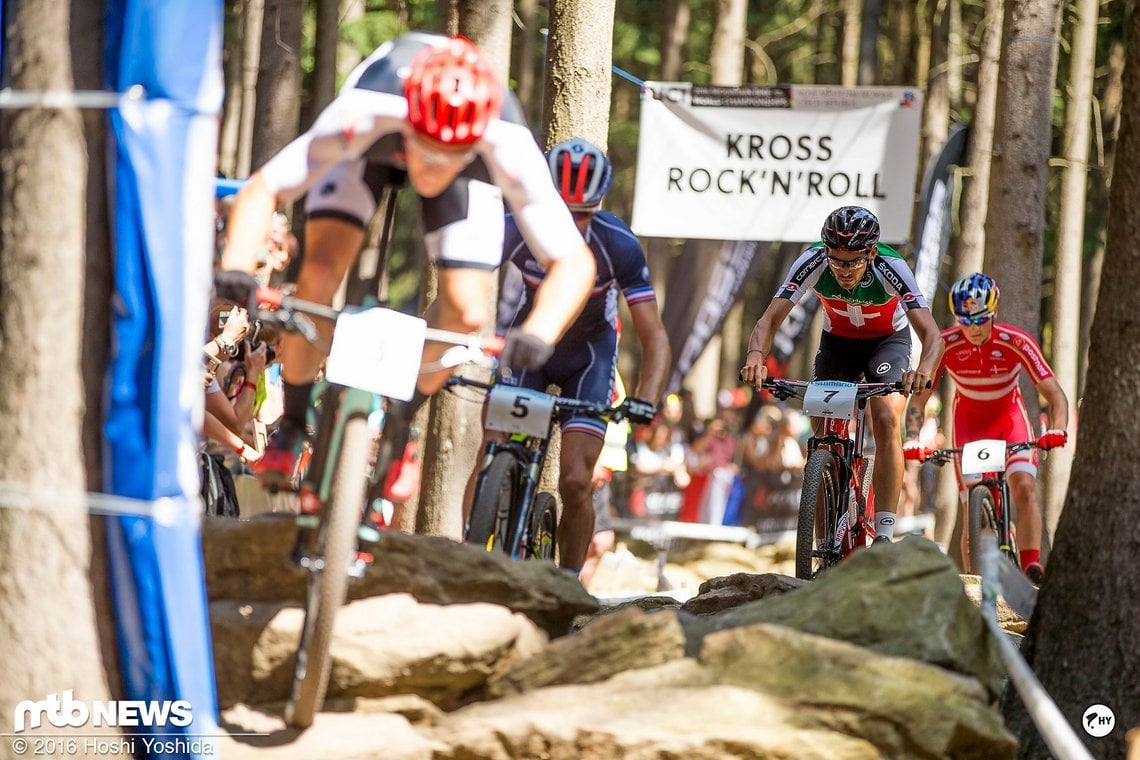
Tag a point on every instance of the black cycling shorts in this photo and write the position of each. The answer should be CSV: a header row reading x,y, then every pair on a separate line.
x,y
872,360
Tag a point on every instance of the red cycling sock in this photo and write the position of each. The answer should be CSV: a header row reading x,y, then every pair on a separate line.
x,y
1029,556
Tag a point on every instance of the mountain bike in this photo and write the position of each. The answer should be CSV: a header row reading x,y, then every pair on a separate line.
x,y
837,511
508,512
988,505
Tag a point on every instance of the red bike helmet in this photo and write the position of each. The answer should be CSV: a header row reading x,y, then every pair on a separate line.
x,y
452,92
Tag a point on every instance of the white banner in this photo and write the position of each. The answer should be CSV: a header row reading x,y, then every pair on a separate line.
x,y
770,163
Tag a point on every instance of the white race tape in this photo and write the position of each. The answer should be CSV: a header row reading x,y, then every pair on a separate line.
x,y
167,510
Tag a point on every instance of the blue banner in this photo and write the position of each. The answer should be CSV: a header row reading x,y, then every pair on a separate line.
x,y
163,160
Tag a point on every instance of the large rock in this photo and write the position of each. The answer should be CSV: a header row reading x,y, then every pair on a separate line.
x,y
381,646
248,561
903,599
719,594
904,707
1009,620
626,640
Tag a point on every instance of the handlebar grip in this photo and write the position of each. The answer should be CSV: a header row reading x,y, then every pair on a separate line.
x,y
494,345
271,296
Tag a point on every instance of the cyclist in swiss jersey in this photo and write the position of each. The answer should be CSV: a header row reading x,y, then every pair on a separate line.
x,y
869,298
985,359
433,108
584,361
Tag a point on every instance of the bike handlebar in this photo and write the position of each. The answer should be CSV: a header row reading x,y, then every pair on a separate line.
x,y
562,406
942,456
785,389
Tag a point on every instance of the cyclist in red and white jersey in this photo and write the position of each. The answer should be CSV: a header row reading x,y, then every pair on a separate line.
x,y
431,107
985,358
869,297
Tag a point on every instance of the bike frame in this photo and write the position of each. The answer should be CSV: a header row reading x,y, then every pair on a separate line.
x,y
848,451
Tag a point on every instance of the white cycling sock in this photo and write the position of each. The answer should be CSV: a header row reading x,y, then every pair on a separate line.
x,y
885,524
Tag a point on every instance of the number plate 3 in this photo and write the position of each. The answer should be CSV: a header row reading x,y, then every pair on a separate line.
x,y
519,410
986,455
830,398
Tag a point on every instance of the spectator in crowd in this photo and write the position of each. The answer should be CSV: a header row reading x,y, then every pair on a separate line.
x,y
660,474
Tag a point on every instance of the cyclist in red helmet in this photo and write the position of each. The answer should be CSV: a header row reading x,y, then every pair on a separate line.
x,y
870,301
985,358
430,107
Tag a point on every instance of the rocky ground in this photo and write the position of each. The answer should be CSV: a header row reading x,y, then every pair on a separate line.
x,y
445,651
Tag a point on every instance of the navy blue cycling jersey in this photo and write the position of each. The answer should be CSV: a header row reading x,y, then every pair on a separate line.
x,y
584,360
621,265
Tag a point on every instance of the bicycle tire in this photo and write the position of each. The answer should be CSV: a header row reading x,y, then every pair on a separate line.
x,y
982,515
486,527
819,515
867,489
542,530
328,585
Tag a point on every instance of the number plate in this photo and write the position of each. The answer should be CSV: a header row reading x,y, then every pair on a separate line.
x,y
377,350
519,410
830,398
987,455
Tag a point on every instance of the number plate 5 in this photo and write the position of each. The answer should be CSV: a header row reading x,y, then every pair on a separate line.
x,y
519,410
377,350
830,398
986,455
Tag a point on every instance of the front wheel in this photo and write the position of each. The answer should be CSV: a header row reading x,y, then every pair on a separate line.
x,y
543,528
817,545
491,508
328,582
981,516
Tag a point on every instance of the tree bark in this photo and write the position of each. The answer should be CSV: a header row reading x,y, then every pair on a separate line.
x,y
231,115
1085,632
852,20
252,21
936,106
278,110
869,42
325,49
525,61
47,619
1015,228
675,17
975,196
579,56
1067,256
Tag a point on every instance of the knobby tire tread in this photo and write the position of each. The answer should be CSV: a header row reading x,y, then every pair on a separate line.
x,y
329,586
543,529
820,469
982,516
498,484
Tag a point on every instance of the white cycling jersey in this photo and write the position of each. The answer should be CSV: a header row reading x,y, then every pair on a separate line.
x,y
356,146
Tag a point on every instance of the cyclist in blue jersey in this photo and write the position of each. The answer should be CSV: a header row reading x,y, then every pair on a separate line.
x,y
430,107
584,360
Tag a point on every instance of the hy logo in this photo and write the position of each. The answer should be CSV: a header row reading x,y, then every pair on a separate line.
x,y
72,713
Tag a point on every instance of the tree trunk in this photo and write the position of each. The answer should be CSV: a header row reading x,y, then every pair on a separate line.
x,y
1084,635
231,115
1015,226
454,426
253,19
1109,102
1069,250
869,42
579,57
852,20
47,619
278,111
525,61
675,17
936,106
903,33
348,56
975,196
324,58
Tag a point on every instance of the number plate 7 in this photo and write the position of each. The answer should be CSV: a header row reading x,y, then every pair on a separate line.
x,y
519,410
830,398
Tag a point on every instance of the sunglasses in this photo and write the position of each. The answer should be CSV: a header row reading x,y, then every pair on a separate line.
x,y
855,263
975,321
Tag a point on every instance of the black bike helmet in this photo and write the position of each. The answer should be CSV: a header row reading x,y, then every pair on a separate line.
x,y
850,228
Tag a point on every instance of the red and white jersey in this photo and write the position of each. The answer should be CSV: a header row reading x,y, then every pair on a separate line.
x,y
987,375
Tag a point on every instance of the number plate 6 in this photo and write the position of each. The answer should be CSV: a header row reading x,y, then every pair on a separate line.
x,y
986,455
830,398
519,410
